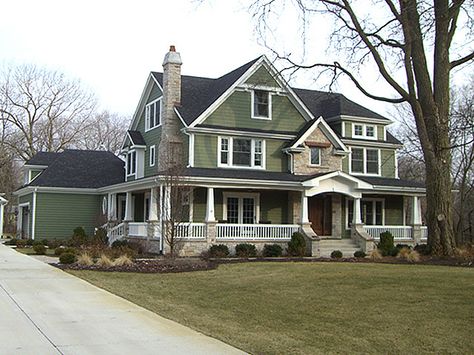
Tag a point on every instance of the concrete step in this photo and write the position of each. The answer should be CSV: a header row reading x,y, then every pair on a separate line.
x,y
347,246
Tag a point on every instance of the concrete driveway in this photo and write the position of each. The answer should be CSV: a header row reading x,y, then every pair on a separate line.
x,y
44,310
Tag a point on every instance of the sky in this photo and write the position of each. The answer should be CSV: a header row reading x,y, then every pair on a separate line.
x,y
111,46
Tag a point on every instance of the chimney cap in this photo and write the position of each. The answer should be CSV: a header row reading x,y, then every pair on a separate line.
x,y
172,48
172,57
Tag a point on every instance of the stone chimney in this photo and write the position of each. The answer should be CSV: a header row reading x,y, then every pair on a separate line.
x,y
170,147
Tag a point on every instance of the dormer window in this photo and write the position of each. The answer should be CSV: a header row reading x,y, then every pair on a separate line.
x,y
360,130
261,104
153,115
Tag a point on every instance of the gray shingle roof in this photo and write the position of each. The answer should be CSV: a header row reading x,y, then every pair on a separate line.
x,y
82,169
391,182
43,158
137,138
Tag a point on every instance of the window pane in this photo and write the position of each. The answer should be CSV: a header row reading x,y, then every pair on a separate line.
x,y
241,152
350,212
224,151
233,210
258,153
378,213
358,130
372,161
248,209
315,155
261,103
357,160
370,131
367,212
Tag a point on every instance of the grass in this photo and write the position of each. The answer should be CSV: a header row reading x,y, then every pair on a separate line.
x,y
30,251
313,308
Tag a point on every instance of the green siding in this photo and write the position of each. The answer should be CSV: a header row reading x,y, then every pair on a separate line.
x,y
345,163
379,132
387,162
276,160
262,77
347,129
35,173
57,214
235,112
394,210
200,201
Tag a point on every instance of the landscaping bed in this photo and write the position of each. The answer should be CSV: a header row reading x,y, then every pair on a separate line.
x,y
149,266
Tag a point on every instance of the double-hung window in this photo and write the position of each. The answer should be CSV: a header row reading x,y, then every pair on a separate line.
x,y
315,156
365,161
131,162
153,115
241,152
261,104
152,155
366,131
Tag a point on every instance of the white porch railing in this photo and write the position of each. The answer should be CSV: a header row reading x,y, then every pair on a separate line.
x,y
137,229
191,230
398,232
256,231
424,233
116,233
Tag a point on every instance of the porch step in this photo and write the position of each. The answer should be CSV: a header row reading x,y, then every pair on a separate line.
x,y
347,246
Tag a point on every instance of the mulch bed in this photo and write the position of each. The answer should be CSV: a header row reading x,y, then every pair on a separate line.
x,y
149,266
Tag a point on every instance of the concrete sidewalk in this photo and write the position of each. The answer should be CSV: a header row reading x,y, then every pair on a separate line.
x,y
44,310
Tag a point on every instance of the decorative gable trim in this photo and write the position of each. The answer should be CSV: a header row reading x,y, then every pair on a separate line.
x,y
360,184
240,84
327,130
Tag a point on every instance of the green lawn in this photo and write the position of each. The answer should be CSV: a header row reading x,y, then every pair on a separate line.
x,y
30,251
313,308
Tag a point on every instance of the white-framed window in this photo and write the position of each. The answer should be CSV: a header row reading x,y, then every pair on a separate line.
x,y
372,211
315,156
365,161
241,152
240,207
261,104
131,162
153,114
360,130
152,155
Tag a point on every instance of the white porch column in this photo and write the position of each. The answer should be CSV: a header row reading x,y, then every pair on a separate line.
x,y
416,210
304,208
357,215
153,204
210,216
128,207
112,207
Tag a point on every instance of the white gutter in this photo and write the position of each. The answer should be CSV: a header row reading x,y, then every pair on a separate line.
x,y
33,217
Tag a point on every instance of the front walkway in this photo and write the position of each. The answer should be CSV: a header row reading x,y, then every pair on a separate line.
x,y
47,311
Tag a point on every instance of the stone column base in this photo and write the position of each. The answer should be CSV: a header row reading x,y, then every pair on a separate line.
x,y
211,233
416,234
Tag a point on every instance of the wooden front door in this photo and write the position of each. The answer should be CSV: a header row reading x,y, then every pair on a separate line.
x,y
320,214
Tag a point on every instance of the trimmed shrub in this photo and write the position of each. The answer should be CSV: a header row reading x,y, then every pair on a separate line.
x,y
39,249
100,237
85,260
394,251
422,249
360,254
20,243
61,250
53,244
123,260
272,250
104,261
336,254
375,254
37,242
297,245
218,251
245,250
12,241
79,237
29,242
67,258
386,243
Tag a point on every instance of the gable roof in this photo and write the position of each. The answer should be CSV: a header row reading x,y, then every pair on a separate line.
x,y
81,169
42,158
136,137
328,104
198,93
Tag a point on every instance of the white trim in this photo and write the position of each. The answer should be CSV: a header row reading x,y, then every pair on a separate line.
x,y
364,162
127,174
19,225
234,132
363,199
152,161
240,196
180,117
378,144
230,163
396,164
157,108
39,167
33,216
343,129
383,121
191,150
252,105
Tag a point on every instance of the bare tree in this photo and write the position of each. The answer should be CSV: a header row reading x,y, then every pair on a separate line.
x,y
43,110
410,44
106,133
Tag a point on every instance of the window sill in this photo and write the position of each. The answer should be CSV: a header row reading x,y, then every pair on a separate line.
x,y
152,128
364,174
241,167
261,118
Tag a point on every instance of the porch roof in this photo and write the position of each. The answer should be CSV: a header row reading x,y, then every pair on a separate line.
x,y
246,174
391,182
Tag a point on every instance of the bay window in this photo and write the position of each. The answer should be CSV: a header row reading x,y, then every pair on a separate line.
x,y
241,152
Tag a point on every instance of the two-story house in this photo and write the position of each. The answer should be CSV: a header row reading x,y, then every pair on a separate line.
x,y
262,160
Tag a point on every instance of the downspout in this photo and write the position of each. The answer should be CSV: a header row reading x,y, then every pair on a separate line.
x,y
33,216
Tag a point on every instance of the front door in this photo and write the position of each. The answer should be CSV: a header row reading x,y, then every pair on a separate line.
x,y
320,214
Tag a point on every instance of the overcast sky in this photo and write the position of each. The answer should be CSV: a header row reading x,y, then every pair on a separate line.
x,y
111,46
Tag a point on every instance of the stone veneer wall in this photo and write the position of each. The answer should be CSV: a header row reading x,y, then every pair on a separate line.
x,y
329,161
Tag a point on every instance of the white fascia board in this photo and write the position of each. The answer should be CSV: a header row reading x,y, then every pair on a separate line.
x,y
29,166
371,144
141,103
233,132
399,190
328,131
180,117
71,190
3,201
381,121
